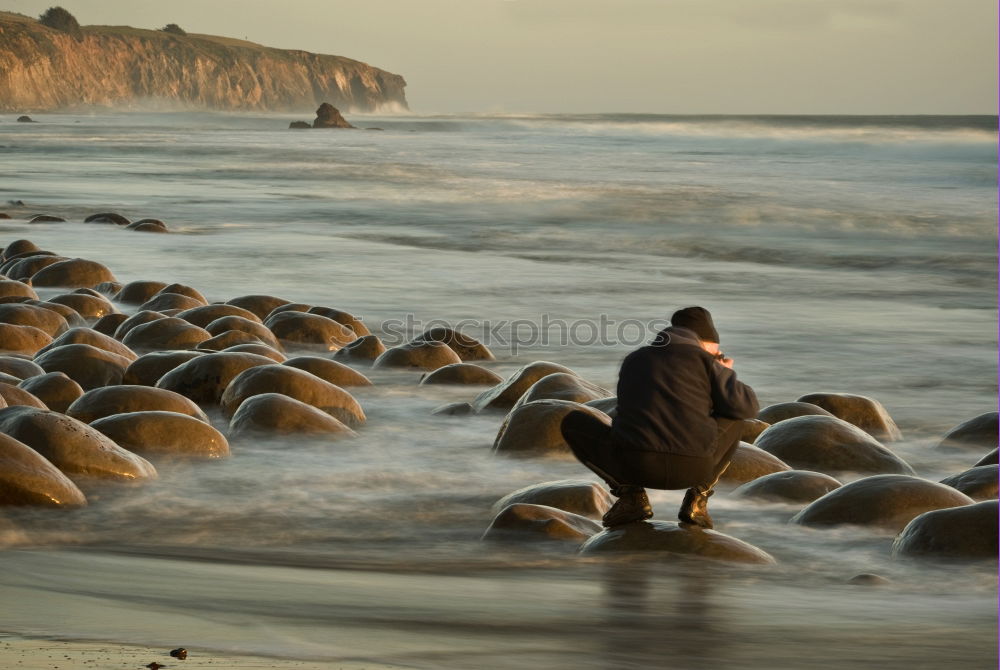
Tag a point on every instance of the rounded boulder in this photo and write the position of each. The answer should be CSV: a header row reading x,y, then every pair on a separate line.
x,y
166,333
535,429
829,445
87,365
461,373
78,450
885,501
328,370
73,273
563,386
28,478
162,434
528,522
294,383
959,533
772,414
866,413
365,349
672,541
417,355
793,486
504,395
278,414
577,496
55,389
750,462
101,402
309,331
205,378
468,348
147,369
977,433
979,483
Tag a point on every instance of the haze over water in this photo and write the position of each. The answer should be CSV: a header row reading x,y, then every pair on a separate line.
x,y
853,254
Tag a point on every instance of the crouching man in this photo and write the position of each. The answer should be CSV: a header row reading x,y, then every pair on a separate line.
x,y
678,422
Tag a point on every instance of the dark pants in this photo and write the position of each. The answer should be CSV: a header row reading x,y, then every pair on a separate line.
x,y
590,440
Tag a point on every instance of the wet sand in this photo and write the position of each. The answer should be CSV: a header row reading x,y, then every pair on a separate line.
x,y
45,654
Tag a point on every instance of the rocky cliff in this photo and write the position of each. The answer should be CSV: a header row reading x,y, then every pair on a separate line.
x,y
121,67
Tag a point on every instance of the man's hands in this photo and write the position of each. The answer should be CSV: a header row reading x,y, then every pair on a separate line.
x,y
726,362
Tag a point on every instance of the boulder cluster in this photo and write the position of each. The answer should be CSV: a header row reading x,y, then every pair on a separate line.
x,y
101,382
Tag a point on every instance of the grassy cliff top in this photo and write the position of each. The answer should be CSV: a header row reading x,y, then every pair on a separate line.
x,y
205,42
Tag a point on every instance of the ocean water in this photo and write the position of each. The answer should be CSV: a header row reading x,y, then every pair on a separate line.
x,y
853,254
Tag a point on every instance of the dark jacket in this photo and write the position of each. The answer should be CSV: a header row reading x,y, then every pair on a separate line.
x,y
669,393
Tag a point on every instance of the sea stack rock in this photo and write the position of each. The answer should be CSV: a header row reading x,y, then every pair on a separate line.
x,y
328,116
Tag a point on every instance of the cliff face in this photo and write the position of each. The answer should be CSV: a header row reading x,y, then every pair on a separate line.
x,y
45,69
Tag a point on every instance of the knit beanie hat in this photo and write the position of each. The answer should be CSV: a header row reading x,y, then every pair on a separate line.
x,y
696,319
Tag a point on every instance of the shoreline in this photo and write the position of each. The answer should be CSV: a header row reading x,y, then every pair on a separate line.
x,y
42,653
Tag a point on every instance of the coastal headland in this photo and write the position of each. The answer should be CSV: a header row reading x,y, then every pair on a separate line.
x,y
120,67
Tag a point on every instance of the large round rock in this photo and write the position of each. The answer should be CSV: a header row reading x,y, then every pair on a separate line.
x,y
294,383
166,333
467,348
147,369
750,462
793,486
277,414
418,355
102,402
205,378
94,339
161,302
45,319
22,339
504,395
303,330
671,541
958,533
261,305
244,325
138,292
88,366
535,429
28,478
789,410
527,522
13,396
886,501
365,349
73,273
866,413
979,433
206,314
563,386
570,495
328,370
979,483
829,445
78,450
55,389
461,373
15,289
18,367
160,434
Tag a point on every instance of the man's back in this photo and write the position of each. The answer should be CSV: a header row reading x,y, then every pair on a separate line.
x,y
669,394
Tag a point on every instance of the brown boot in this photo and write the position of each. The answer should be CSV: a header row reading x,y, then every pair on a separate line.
x,y
694,509
632,505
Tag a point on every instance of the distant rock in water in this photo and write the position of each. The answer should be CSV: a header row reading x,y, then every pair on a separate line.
x,y
120,67
328,116
299,125
25,119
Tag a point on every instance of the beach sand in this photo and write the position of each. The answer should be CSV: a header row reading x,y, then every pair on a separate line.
x,y
45,654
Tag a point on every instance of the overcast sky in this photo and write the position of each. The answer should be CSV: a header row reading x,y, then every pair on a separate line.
x,y
657,56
